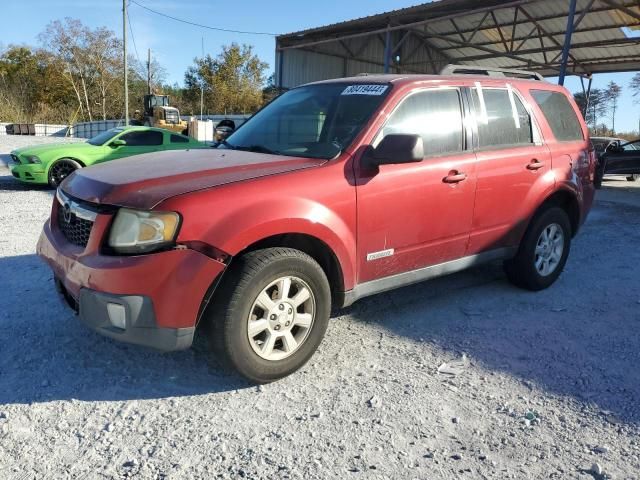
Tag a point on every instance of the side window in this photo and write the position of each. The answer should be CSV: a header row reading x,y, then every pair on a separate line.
x,y
143,139
435,115
501,117
179,139
559,114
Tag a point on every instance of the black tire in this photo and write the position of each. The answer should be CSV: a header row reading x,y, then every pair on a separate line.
x,y
633,177
227,317
521,270
599,174
60,170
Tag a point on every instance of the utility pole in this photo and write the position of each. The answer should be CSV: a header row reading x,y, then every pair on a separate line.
x,y
202,84
149,72
126,67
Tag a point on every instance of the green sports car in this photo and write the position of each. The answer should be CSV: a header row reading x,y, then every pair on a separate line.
x,y
51,164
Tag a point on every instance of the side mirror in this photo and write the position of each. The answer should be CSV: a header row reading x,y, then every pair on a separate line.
x,y
118,143
396,148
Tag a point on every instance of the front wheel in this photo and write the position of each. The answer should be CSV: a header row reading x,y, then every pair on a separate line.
x,y
61,170
270,313
543,251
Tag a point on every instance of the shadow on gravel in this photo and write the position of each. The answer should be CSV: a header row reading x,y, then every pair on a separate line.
x,y
580,338
46,354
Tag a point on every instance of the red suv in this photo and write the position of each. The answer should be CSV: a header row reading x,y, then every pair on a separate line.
x,y
334,191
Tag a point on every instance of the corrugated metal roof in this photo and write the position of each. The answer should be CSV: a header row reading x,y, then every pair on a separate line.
x,y
493,33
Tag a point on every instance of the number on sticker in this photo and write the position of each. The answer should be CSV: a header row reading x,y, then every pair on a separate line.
x,y
364,90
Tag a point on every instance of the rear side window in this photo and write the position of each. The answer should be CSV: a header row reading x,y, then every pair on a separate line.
x,y
502,118
435,115
559,114
142,139
179,139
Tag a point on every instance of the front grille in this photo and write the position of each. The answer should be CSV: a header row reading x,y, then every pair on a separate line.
x,y
15,158
76,230
171,117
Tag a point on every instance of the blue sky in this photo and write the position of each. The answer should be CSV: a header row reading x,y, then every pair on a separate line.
x,y
175,44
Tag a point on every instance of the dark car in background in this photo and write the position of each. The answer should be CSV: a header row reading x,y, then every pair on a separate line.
x,y
600,145
616,157
623,158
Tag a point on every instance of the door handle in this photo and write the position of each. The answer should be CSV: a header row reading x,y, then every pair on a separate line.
x,y
454,177
535,164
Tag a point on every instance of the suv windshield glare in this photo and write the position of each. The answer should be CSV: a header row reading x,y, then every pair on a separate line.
x,y
104,137
316,121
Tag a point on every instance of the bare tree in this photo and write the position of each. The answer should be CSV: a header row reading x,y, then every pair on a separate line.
x,y
93,63
634,86
103,53
613,93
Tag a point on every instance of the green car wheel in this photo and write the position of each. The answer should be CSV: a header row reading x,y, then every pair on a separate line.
x,y
61,170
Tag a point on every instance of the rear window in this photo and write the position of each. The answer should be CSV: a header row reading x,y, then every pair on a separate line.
x,y
560,115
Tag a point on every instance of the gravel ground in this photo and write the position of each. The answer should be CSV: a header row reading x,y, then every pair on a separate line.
x,y
543,385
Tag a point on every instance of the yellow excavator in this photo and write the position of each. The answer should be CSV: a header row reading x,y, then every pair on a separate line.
x,y
158,113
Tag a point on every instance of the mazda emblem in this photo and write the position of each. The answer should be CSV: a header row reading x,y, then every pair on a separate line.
x,y
66,213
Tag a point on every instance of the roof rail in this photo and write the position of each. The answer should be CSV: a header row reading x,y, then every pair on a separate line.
x,y
489,71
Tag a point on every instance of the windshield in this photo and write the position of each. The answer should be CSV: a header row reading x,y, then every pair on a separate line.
x,y
316,121
104,137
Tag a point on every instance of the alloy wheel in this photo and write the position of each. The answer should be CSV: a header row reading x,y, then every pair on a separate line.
x,y
281,318
549,249
60,171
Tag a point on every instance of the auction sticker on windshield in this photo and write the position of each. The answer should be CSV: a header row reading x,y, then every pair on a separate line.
x,y
364,90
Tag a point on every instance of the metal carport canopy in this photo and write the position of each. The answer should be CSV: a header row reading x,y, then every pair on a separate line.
x,y
593,35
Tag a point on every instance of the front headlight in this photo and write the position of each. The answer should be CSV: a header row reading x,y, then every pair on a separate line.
x,y
139,231
33,159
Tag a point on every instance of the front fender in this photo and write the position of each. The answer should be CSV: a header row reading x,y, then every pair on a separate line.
x,y
234,225
299,215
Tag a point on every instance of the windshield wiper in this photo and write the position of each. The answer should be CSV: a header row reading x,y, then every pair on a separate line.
x,y
258,149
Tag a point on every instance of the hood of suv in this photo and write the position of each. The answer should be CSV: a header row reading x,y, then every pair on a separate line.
x,y
144,181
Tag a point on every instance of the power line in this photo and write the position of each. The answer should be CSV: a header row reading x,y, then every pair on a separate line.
x,y
203,26
132,37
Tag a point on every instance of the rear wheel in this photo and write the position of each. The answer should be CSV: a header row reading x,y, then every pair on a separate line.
x,y
543,251
633,177
60,170
270,313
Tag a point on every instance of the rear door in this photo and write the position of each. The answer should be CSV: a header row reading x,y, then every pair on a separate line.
x,y
512,159
624,162
409,215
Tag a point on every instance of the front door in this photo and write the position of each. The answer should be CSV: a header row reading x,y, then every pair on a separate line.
x,y
418,214
625,161
138,141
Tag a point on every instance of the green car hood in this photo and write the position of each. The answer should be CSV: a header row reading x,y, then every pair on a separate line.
x,y
47,151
